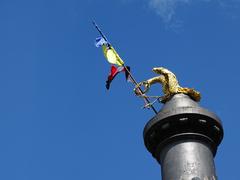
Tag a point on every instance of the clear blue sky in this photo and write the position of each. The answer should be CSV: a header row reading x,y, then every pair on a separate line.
x,y
57,120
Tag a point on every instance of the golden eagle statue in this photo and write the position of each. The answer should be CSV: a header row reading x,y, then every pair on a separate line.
x,y
170,85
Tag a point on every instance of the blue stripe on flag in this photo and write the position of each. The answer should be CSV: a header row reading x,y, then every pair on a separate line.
x,y
100,41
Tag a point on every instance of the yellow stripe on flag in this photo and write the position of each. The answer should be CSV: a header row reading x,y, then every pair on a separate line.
x,y
112,56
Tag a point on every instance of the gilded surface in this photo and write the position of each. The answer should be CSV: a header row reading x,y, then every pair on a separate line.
x,y
170,85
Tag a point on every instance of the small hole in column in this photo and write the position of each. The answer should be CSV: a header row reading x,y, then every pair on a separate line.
x,y
196,178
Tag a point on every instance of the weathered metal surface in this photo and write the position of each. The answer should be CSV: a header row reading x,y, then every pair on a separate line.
x,y
185,160
183,137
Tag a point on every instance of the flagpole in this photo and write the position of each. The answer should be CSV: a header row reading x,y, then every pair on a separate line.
x,y
126,69
99,30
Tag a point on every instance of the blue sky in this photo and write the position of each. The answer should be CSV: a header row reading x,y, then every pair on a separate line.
x,y
57,119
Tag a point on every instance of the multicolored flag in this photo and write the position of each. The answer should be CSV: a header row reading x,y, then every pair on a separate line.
x,y
113,58
113,73
109,52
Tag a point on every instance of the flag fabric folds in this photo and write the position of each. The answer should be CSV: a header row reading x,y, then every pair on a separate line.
x,y
109,52
100,41
113,58
113,73
127,74
111,55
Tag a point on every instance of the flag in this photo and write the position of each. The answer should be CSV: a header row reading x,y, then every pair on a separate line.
x,y
113,73
100,41
109,52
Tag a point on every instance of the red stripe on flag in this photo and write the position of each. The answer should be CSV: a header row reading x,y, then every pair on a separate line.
x,y
113,73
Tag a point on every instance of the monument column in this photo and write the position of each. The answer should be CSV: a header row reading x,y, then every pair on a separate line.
x,y
183,137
